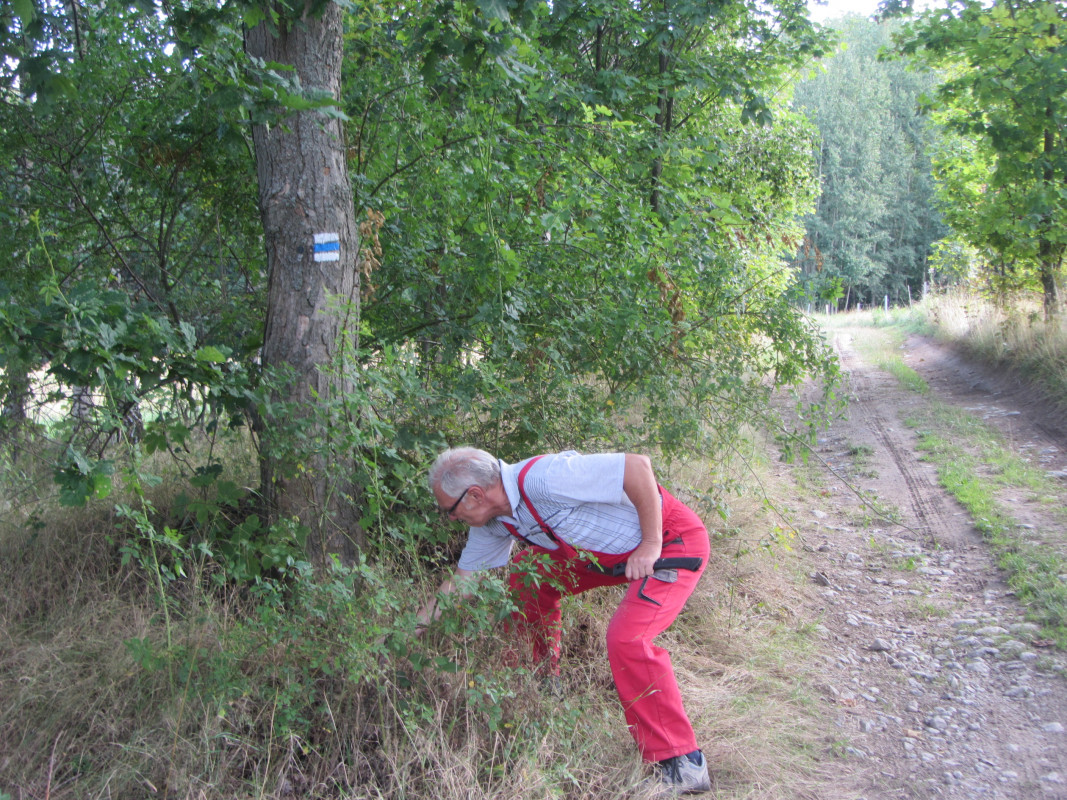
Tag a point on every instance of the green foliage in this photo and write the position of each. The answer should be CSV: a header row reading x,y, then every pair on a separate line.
x,y
138,180
313,645
1002,171
122,356
564,243
576,242
129,267
952,262
875,222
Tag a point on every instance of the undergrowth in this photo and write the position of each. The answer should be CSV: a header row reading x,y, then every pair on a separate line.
x,y
128,674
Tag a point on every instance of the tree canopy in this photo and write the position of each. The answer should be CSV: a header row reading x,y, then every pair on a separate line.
x,y
875,220
568,215
1004,97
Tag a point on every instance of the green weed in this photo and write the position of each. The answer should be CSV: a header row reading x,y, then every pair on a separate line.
x,y
1033,572
922,608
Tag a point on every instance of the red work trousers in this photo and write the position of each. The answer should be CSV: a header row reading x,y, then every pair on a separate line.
x,y
644,677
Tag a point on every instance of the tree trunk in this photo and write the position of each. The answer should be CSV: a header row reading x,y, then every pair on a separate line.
x,y
664,120
16,392
1047,257
306,204
1048,264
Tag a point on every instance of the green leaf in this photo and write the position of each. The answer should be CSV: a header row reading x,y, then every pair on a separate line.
x,y
24,11
229,493
211,354
495,9
154,440
253,15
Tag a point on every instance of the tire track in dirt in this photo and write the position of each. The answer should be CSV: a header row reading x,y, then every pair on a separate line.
x,y
924,497
1029,422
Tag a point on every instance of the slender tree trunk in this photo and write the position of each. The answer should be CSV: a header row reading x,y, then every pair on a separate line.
x,y
1047,256
16,391
306,204
664,119
1049,263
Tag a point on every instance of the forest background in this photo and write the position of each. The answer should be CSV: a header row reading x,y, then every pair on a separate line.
x,y
261,262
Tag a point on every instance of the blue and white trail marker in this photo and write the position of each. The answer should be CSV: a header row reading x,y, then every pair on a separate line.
x,y
327,247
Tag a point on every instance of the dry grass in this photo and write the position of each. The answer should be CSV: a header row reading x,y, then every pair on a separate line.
x,y
82,717
1012,334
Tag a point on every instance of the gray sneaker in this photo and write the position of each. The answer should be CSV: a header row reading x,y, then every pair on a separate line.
x,y
686,774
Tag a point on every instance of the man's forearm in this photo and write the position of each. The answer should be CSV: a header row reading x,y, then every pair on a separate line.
x,y
639,484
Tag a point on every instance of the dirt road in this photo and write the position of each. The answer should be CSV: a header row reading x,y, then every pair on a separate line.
x,y
940,686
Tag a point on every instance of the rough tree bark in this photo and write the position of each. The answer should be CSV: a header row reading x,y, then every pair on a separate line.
x,y
306,204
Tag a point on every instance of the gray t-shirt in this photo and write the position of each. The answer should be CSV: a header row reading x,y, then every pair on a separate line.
x,y
580,497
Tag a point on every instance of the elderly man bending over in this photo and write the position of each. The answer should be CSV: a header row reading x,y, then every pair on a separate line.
x,y
596,520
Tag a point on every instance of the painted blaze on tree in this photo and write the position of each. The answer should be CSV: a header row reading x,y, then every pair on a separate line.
x,y
306,204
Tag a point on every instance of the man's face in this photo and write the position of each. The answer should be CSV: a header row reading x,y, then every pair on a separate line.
x,y
469,506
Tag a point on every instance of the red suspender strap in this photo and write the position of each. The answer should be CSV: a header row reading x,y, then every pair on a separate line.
x,y
537,517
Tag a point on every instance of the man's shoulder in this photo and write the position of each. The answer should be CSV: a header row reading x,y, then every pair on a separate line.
x,y
572,476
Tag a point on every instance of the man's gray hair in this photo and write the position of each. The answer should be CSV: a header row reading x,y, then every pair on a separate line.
x,y
462,467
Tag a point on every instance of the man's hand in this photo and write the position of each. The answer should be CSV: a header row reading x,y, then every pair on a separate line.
x,y
641,562
460,581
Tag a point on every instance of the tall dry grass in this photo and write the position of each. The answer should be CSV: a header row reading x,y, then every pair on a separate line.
x,y
1012,334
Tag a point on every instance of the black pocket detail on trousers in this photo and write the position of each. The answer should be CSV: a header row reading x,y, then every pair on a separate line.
x,y
643,596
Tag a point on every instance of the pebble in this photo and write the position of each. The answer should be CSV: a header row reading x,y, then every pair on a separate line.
x,y
1019,628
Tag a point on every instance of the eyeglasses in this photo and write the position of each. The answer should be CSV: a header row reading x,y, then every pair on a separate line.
x,y
448,512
